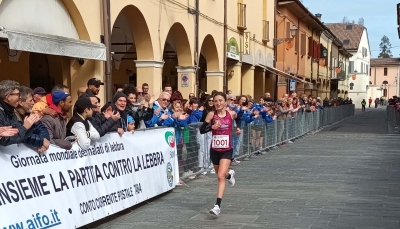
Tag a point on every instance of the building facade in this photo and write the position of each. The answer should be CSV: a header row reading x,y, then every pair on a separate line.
x,y
311,57
355,39
175,42
384,78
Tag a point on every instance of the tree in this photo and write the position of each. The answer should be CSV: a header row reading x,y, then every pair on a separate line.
x,y
385,47
345,20
361,21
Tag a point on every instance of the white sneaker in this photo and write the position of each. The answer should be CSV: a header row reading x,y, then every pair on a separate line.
x,y
232,179
212,171
216,210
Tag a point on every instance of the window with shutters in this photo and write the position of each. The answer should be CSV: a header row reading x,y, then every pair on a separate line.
x,y
288,30
296,43
303,44
351,66
310,46
265,31
367,69
241,16
385,71
362,68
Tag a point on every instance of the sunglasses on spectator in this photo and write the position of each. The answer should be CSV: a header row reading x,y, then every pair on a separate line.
x,y
165,100
210,100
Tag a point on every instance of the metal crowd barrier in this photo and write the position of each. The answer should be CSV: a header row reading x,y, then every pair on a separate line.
x,y
393,116
193,150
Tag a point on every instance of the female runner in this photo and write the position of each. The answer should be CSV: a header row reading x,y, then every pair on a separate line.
x,y
220,123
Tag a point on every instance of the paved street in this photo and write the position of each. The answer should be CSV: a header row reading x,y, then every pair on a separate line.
x,y
346,176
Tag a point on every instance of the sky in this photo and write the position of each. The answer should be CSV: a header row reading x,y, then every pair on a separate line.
x,y
380,18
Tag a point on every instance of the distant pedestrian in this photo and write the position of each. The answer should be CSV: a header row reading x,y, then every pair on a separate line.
x,y
377,102
369,101
363,103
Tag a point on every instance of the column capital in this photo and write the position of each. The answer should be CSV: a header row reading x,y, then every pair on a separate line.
x,y
149,64
215,73
186,69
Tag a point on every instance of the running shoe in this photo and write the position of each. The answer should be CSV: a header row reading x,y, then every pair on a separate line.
x,y
216,210
236,161
232,179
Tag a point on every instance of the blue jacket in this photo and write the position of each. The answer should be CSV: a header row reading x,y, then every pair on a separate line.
x,y
155,120
178,125
195,116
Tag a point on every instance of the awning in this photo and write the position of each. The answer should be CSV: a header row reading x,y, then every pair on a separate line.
x,y
53,45
286,75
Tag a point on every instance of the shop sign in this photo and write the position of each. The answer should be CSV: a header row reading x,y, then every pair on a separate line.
x,y
233,49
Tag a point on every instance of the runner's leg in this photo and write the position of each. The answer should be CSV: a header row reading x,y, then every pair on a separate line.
x,y
222,175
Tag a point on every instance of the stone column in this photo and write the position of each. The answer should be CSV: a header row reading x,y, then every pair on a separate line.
x,y
259,83
248,80
150,71
215,81
235,78
186,80
282,87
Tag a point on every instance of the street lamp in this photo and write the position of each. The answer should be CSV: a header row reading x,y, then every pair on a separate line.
x,y
293,32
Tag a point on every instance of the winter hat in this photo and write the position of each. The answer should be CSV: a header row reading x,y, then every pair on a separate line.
x,y
118,95
59,96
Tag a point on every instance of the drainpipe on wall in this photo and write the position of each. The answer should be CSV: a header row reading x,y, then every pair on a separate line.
x,y
312,67
225,88
107,43
196,44
319,43
298,54
275,52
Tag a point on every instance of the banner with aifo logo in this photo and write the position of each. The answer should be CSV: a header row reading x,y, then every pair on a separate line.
x,y
72,188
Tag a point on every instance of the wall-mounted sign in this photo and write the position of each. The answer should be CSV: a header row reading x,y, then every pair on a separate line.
x,y
292,85
246,43
185,80
233,49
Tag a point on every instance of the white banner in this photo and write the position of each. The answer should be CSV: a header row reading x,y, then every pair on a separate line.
x,y
69,189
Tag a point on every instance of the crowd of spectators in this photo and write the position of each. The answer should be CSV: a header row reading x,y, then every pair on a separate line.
x,y
39,118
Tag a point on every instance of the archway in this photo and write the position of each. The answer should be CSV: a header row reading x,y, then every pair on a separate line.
x,y
178,71
211,75
130,41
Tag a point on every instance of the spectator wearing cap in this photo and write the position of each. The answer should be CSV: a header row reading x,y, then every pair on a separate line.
x,y
61,103
79,126
43,105
24,131
93,87
38,94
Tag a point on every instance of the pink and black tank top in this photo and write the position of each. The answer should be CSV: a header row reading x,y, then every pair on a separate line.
x,y
221,137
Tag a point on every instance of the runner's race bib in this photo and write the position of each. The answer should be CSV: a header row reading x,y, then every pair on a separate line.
x,y
220,141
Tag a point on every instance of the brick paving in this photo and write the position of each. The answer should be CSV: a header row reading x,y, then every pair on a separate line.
x,y
345,176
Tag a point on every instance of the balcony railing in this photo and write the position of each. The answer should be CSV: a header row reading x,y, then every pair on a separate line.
x,y
265,38
242,16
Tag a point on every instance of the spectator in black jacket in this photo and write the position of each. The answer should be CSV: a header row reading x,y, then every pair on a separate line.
x,y
9,98
103,122
141,110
